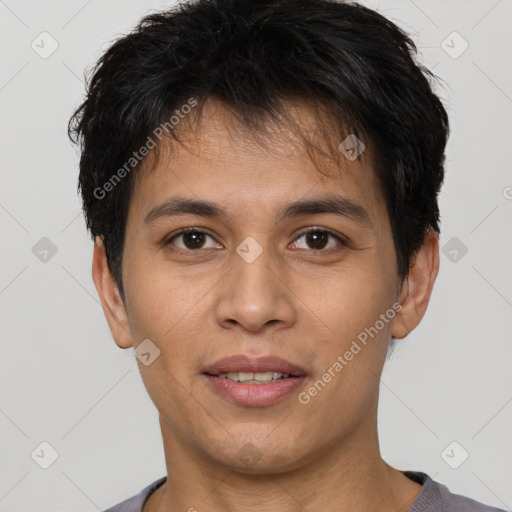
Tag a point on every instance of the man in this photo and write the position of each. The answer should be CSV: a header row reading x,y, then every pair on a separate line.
x,y
260,178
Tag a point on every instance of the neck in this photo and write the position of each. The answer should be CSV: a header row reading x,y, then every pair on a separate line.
x,y
350,476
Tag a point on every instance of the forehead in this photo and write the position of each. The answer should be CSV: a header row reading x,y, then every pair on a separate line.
x,y
256,171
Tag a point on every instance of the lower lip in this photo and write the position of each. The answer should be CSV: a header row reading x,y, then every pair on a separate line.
x,y
255,395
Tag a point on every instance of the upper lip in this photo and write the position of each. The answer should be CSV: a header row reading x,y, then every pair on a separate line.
x,y
243,363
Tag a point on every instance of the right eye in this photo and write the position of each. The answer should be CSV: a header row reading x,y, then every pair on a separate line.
x,y
192,239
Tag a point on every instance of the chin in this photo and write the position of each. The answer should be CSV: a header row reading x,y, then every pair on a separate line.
x,y
253,457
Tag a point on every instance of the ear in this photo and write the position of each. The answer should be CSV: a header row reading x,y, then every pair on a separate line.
x,y
111,301
417,287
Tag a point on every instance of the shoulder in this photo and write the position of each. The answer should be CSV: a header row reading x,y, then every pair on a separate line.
x,y
436,497
135,503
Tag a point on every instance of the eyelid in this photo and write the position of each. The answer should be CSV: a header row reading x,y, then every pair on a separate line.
x,y
312,229
191,229
343,239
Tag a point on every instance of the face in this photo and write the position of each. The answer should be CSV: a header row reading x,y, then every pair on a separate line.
x,y
257,278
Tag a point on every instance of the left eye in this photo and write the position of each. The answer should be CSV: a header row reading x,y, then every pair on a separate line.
x,y
318,239
193,239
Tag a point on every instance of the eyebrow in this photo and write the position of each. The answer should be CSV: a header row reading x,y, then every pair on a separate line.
x,y
331,204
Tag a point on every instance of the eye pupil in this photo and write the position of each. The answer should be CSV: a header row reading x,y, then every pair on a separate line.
x,y
195,237
318,239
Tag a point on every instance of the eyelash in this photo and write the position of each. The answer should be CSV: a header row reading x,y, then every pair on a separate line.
x,y
343,242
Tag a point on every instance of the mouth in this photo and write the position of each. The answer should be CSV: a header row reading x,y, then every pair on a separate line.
x,y
242,368
254,378
254,382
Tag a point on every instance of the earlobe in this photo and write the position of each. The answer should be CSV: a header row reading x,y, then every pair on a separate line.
x,y
417,287
111,301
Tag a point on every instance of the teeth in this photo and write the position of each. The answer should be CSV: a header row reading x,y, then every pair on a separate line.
x,y
253,378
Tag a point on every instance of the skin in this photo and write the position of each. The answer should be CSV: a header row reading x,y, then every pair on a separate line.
x,y
294,301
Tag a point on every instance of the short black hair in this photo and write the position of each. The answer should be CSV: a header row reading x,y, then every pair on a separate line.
x,y
252,55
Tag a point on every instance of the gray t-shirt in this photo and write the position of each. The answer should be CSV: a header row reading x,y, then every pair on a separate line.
x,y
434,497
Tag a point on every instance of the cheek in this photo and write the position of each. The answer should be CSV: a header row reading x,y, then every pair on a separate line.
x,y
166,307
356,299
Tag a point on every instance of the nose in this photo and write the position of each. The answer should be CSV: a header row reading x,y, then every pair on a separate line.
x,y
254,295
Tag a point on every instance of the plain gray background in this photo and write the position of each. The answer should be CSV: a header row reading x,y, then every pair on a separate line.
x,y
65,382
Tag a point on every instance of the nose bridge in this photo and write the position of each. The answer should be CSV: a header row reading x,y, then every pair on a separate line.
x,y
253,278
254,295
252,268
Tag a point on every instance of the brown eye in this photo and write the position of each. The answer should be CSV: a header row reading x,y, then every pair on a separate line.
x,y
191,240
318,240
